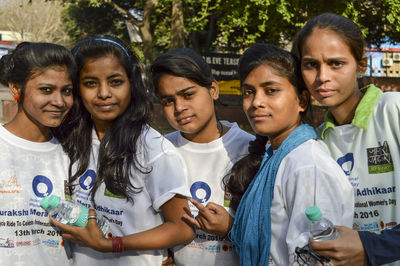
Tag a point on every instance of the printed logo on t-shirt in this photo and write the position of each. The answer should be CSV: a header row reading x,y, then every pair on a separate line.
x,y
86,181
42,186
379,159
200,191
10,186
346,163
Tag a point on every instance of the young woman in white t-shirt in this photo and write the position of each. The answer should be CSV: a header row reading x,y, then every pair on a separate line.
x,y
119,164
32,163
361,132
187,90
275,183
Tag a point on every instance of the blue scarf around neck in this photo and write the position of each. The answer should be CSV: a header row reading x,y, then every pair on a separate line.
x,y
251,231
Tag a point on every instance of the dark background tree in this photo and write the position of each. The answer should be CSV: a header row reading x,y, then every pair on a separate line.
x,y
224,26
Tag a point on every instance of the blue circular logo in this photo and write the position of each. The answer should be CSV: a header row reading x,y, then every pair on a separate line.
x,y
200,191
346,163
87,180
42,186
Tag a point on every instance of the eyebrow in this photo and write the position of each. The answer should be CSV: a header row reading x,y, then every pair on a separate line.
x,y
112,76
180,92
262,84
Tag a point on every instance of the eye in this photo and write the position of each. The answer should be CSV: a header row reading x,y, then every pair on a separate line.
x,y
271,90
90,84
310,64
336,64
46,90
116,82
247,92
188,95
67,91
166,101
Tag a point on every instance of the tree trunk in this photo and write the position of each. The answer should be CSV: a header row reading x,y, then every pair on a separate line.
x,y
177,25
145,30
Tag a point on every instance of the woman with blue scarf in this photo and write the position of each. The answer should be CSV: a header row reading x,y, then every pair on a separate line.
x,y
275,183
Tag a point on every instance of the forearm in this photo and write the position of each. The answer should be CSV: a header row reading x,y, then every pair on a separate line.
x,y
165,235
381,248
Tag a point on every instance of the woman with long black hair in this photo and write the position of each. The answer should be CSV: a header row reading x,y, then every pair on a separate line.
x,y
119,164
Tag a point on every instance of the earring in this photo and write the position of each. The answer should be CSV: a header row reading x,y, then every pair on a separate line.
x,y
360,75
16,97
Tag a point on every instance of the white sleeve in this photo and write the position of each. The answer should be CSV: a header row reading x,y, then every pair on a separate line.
x,y
323,185
167,178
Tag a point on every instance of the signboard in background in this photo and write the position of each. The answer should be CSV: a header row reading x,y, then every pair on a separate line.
x,y
224,69
383,62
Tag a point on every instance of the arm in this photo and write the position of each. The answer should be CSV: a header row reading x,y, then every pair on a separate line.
x,y
212,218
382,248
172,232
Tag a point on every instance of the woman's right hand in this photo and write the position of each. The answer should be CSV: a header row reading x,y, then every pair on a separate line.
x,y
212,218
90,235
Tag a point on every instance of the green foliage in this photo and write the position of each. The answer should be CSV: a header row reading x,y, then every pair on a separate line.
x,y
232,25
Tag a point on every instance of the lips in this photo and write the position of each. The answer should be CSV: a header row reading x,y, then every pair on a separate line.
x,y
259,117
104,106
55,112
184,120
324,92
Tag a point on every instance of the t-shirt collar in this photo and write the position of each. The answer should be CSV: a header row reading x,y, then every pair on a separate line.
x,y
364,109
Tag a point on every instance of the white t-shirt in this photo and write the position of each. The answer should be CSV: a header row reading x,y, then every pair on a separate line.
x,y
208,164
368,150
307,176
29,171
166,179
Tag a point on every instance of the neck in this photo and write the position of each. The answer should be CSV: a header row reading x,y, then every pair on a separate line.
x,y
211,131
277,139
101,128
344,113
21,126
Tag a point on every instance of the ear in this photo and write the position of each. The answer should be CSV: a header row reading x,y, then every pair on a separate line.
x,y
304,100
214,90
362,65
14,88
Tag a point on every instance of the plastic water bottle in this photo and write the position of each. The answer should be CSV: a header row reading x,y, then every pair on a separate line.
x,y
321,229
71,213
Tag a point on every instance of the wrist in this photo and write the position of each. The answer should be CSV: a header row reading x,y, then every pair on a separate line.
x,y
105,245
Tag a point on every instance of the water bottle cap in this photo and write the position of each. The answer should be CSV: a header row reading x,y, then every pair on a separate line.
x,y
50,202
313,213
83,218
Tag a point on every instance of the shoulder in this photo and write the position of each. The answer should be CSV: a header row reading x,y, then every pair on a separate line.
x,y
154,143
173,137
236,134
310,155
389,100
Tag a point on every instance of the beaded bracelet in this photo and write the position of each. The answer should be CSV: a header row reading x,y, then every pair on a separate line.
x,y
117,244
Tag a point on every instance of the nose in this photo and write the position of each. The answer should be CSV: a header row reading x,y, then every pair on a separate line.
x,y
104,91
58,99
179,106
258,100
323,74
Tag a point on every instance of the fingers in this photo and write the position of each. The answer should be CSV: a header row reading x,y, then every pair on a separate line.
x,y
198,205
191,220
92,213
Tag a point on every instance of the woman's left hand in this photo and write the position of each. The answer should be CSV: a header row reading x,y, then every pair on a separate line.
x,y
90,235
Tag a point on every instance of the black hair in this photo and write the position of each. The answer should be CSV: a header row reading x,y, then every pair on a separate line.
x,y
118,149
182,63
286,65
29,59
344,27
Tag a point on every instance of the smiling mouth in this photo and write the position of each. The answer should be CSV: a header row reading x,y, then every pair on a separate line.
x,y
105,107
